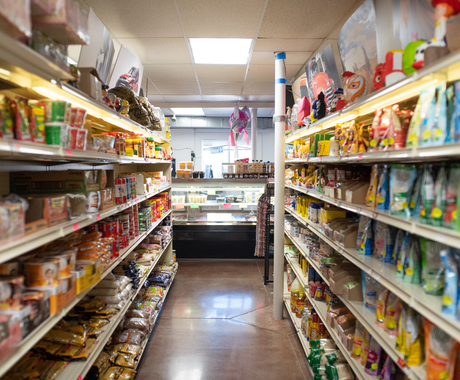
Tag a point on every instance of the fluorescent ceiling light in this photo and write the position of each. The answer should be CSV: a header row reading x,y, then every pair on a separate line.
x,y
221,51
188,111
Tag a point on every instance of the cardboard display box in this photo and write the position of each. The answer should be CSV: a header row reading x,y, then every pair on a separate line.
x,y
90,83
52,209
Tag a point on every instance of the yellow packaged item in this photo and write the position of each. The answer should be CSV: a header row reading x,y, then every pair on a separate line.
x,y
371,197
118,373
125,360
50,370
102,363
414,353
65,337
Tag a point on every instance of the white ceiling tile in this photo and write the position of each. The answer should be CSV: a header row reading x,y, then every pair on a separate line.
x,y
159,50
261,73
258,98
220,73
220,18
170,73
292,70
286,44
155,98
138,18
182,98
259,88
222,112
221,98
150,88
268,58
178,88
221,88
306,18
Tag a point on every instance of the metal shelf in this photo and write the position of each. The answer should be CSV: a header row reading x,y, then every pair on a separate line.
x,y
443,69
30,242
412,224
78,370
427,305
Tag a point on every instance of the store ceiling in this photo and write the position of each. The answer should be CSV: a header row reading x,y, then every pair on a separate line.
x,y
157,31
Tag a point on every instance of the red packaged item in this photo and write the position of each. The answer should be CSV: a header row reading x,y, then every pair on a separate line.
x,y
374,131
37,122
20,113
400,132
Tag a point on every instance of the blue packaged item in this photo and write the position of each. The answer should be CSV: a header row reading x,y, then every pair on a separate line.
x,y
366,244
455,121
427,115
401,257
451,283
383,194
392,255
416,195
370,286
439,132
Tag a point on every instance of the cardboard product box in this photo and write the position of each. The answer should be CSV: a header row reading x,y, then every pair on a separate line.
x,y
340,191
107,198
90,83
52,208
347,238
335,224
357,193
58,182
346,333
88,273
353,294
337,283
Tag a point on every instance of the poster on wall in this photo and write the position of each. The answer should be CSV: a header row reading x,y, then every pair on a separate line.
x,y
323,76
399,21
358,42
128,71
99,53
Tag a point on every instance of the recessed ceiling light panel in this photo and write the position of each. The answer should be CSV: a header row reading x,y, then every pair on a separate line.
x,y
188,111
221,51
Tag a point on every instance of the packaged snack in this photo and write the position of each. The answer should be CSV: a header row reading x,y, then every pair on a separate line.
x,y
72,337
427,192
400,130
119,373
401,337
125,360
388,370
451,283
392,311
371,197
402,178
375,358
101,364
366,242
135,337
455,121
383,194
20,113
427,115
374,131
382,296
391,256
414,354
37,122
339,371
402,257
11,289
370,286
386,129
450,112
379,240
439,203
414,126
7,127
441,353
416,195
358,341
365,345
412,267
450,215
140,324
440,130
432,266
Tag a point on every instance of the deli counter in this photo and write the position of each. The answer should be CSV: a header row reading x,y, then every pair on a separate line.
x,y
215,218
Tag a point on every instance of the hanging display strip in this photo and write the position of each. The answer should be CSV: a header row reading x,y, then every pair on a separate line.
x,y
412,294
30,242
438,234
77,370
365,317
419,154
47,325
446,69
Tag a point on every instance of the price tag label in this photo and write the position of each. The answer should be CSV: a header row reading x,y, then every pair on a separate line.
x,y
16,146
227,205
194,205
360,156
191,180
98,217
80,378
75,227
68,152
179,206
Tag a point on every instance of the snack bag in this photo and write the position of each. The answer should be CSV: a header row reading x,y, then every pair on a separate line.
x,y
374,131
37,122
402,257
392,311
439,204
451,283
427,191
416,195
413,346
439,133
412,273
427,115
402,178
371,197
20,113
432,266
450,215
7,127
414,126
383,194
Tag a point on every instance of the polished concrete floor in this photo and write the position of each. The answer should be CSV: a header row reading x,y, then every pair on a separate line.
x,y
217,325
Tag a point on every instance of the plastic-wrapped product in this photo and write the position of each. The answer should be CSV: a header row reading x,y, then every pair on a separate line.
x,y
451,283
402,256
427,192
432,266
388,370
358,341
382,296
389,241
135,337
391,256
339,371
137,314
140,324
383,194
65,337
412,266
101,364
103,292
371,197
111,299
401,337
366,338
370,286
125,360
392,312
119,373
374,362
379,240
427,115
413,328
154,291
367,237
402,178
439,204
441,353
416,195
450,215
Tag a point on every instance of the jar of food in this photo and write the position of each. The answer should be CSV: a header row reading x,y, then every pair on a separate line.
x,y
187,173
151,147
137,147
158,152
129,148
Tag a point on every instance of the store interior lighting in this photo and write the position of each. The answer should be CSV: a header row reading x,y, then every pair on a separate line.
x,y
221,51
188,111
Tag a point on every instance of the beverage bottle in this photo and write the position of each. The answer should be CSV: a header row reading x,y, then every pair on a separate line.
x,y
313,332
300,304
294,299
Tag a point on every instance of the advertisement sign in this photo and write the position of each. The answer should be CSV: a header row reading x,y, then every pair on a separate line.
x,y
128,71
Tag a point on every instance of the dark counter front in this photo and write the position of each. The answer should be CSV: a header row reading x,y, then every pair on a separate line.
x,y
224,241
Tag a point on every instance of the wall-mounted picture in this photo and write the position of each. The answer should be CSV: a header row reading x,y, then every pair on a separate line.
x,y
358,42
128,71
323,76
99,53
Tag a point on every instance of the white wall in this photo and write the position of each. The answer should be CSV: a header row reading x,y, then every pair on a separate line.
x,y
183,138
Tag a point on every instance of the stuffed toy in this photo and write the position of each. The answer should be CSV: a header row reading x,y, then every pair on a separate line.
x,y
314,111
303,110
379,77
338,95
321,106
355,86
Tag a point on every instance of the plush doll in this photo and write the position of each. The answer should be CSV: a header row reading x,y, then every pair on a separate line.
x,y
379,77
338,95
314,111
321,106
355,86
389,72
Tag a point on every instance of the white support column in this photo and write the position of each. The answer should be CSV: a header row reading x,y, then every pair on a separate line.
x,y
254,134
280,107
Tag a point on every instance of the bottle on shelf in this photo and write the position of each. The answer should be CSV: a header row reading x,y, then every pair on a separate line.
x,y
313,327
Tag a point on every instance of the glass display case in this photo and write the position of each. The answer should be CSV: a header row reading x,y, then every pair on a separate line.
x,y
216,201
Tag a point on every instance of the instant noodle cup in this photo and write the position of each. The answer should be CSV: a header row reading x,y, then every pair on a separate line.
x,y
55,133
42,273
10,292
9,269
57,111
65,260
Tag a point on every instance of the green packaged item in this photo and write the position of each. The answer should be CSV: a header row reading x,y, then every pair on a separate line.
x,y
439,132
402,178
432,266
336,357
416,195
55,133
427,195
451,283
414,127
7,127
439,204
57,111
450,213
412,267
427,115
402,257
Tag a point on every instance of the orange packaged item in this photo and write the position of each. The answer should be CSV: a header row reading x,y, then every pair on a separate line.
x,y
42,273
440,351
86,246
91,236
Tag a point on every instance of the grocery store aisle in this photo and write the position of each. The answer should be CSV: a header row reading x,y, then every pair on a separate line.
x,y
217,325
